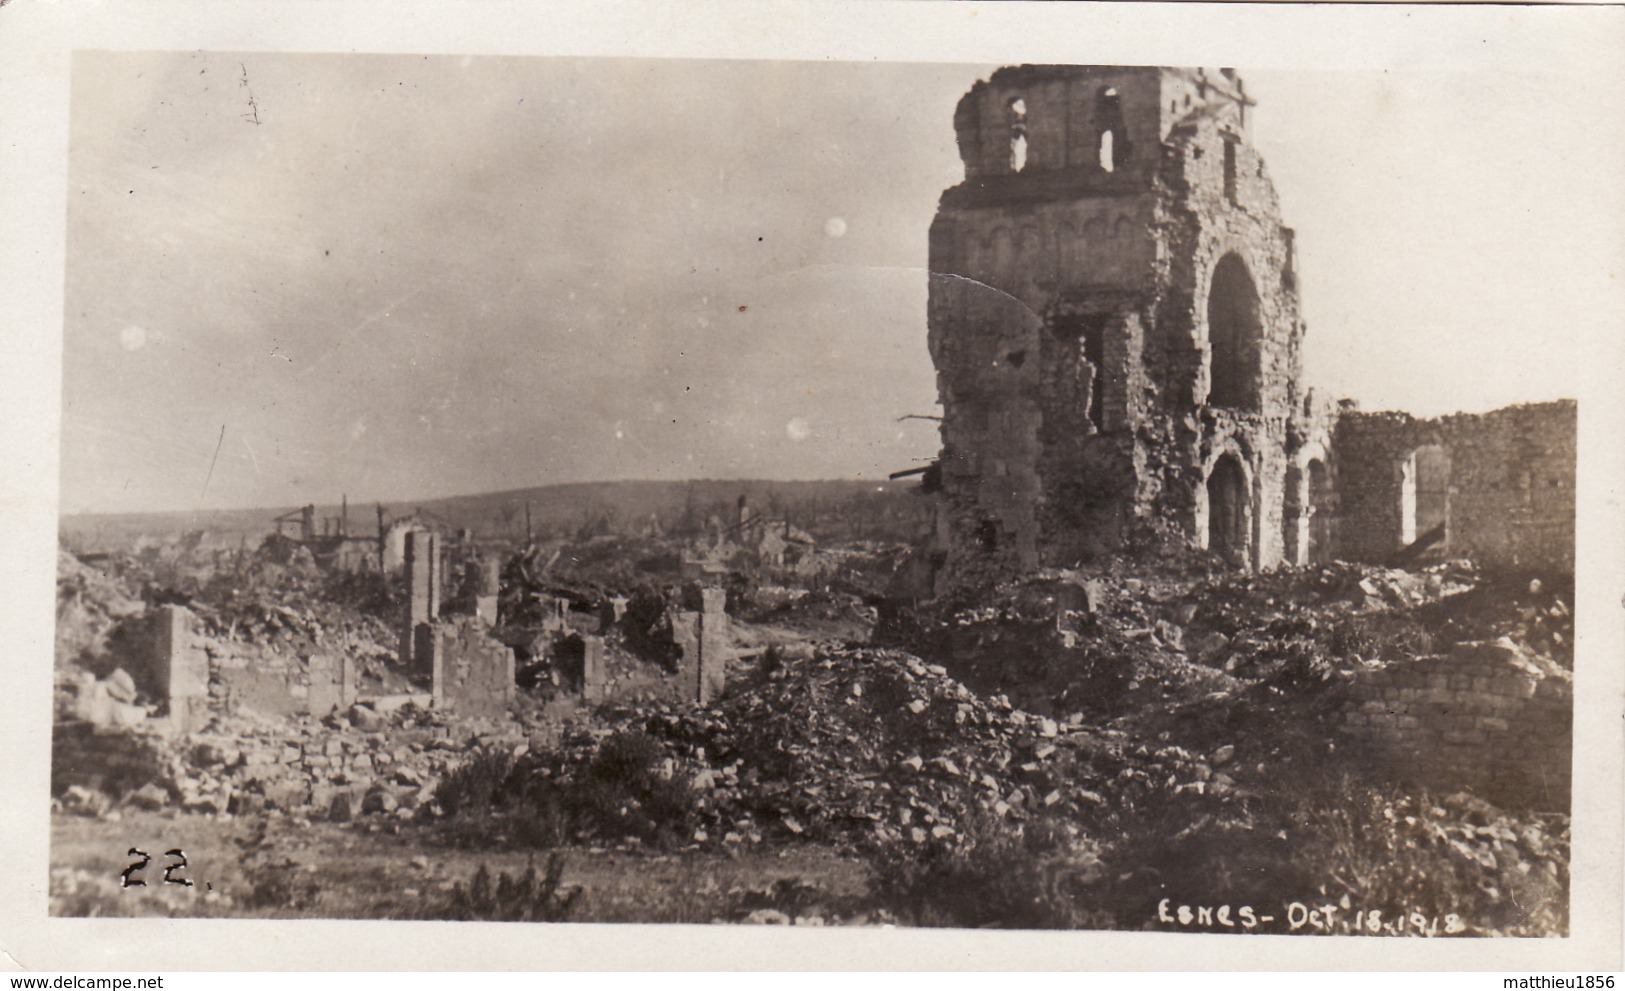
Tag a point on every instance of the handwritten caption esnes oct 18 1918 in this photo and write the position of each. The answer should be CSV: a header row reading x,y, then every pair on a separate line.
x,y
1306,917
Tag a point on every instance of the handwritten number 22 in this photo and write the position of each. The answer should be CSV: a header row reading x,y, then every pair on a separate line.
x,y
131,881
172,868
134,869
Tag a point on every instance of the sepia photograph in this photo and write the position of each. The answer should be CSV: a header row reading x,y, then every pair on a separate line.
x,y
795,492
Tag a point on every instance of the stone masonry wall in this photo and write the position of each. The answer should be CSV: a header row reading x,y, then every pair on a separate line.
x,y
1511,484
190,674
248,677
699,627
1486,716
473,674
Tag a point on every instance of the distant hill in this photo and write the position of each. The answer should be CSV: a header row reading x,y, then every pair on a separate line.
x,y
829,509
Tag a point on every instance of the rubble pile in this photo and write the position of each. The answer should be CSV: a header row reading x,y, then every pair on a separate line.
x,y
529,587
1534,615
362,762
1061,645
93,769
872,746
822,612
1180,635
292,618
339,768
115,700
89,604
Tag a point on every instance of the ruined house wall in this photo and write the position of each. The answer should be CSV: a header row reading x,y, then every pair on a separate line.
x,y
1369,448
189,674
473,674
254,678
166,661
1510,493
1483,717
699,626
245,677
1512,478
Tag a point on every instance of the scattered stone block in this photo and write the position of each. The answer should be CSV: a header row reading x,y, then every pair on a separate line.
x,y
149,796
339,810
120,686
365,719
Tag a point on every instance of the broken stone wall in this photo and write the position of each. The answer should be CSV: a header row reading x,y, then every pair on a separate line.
x,y
700,631
253,678
1509,504
1486,717
473,674
332,683
188,673
169,663
249,678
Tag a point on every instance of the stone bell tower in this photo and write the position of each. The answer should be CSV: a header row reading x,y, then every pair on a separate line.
x,y
1114,322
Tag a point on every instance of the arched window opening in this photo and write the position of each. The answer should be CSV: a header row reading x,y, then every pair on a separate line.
x,y
1018,134
1228,511
1234,335
1111,147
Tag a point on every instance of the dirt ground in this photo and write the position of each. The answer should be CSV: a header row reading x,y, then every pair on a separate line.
x,y
282,869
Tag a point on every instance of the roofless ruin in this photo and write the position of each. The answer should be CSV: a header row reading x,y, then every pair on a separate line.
x,y
1114,318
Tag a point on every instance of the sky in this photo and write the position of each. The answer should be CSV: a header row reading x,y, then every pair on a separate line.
x,y
292,277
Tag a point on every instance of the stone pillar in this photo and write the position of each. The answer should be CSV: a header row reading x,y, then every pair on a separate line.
x,y
685,633
487,589
592,669
181,670
422,577
422,592
506,680
713,644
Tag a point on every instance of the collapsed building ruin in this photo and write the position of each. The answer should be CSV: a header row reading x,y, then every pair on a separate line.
x,y
1114,319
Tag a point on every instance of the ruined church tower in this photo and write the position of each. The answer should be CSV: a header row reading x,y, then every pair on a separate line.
x,y
1114,322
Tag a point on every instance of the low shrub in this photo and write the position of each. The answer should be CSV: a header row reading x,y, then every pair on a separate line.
x,y
472,787
994,874
625,789
526,898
